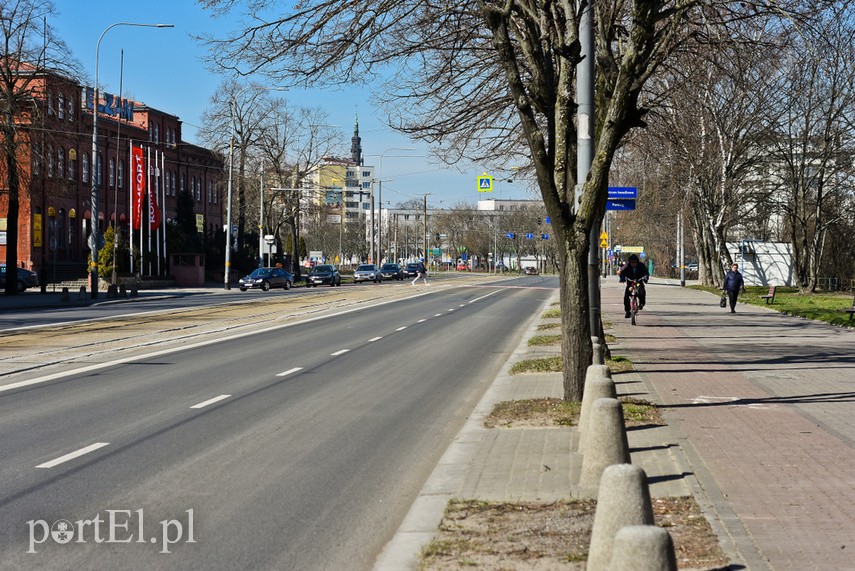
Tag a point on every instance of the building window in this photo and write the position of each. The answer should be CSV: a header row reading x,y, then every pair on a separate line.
x,y
121,173
71,108
112,174
84,174
183,183
60,106
72,164
366,184
50,103
156,133
60,162
50,161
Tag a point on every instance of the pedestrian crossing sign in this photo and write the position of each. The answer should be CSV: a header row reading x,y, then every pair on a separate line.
x,y
485,183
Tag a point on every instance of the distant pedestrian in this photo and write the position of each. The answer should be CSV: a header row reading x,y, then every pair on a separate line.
x,y
421,273
733,284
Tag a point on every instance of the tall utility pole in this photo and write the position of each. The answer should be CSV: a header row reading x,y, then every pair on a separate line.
x,y
585,150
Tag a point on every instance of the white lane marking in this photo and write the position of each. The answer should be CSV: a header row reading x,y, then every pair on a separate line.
x,y
337,353
401,328
421,320
210,401
375,339
73,455
462,305
485,296
450,310
289,371
438,315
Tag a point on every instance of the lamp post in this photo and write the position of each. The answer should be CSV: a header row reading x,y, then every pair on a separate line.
x,y
94,235
380,201
226,284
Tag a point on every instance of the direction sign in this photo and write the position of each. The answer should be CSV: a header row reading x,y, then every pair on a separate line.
x,y
623,192
620,204
485,183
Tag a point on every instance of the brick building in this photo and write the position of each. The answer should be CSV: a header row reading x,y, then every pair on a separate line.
x,y
56,169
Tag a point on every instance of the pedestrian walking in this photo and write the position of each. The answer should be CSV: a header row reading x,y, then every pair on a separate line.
x,y
733,284
421,273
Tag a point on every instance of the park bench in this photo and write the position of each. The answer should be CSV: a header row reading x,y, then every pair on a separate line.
x,y
769,297
851,310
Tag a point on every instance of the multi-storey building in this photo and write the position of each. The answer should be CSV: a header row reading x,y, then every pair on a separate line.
x,y
56,170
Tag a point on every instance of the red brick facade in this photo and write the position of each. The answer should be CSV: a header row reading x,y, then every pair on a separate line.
x,y
55,169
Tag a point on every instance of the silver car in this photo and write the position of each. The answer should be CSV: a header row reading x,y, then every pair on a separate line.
x,y
366,273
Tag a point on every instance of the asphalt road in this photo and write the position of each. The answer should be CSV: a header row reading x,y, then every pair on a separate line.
x,y
301,448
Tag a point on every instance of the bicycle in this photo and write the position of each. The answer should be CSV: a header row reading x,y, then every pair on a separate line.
x,y
634,287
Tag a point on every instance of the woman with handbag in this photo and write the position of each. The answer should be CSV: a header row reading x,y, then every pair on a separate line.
x,y
733,284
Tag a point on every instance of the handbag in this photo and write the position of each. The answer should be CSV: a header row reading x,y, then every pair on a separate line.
x,y
723,301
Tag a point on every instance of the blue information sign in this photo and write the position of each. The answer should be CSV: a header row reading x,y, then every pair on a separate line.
x,y
620,204
623,192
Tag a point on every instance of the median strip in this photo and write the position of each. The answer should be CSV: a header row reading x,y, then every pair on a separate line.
x,y
73,455
210,401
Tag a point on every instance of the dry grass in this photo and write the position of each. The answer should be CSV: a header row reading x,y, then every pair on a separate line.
x,y
539,536
546,412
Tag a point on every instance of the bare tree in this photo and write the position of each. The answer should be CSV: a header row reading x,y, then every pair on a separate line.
x,y
493,79
29,51
812,138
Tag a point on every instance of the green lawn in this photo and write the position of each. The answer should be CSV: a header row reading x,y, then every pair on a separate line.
x,y
818,306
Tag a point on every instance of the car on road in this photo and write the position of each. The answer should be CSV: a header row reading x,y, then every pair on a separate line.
x,y
411,270
323,274
530,271
692,266
392,272
366,273
266,278
25,278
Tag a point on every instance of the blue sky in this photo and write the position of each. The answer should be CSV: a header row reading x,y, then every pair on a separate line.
x,y
163,68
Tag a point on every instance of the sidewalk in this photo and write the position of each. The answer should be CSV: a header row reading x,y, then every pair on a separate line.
x,y
761,437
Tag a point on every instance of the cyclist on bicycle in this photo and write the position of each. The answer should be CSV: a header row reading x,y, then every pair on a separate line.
x,y
637,271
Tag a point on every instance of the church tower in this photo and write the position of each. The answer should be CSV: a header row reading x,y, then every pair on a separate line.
x,y
356,144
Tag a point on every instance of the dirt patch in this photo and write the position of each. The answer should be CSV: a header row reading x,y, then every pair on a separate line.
x,y
545,536
546,412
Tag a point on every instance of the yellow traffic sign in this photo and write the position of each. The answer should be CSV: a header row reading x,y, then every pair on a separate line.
x,y
604,236
604,243
485,183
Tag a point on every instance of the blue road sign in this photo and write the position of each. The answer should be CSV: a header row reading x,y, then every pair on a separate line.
x,y
510,235
529,236
544,236
620,204
548,221
623,192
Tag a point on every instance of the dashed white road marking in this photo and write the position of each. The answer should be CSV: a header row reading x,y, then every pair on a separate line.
x,y
337,353
73,455
372,340
289,371
401,328
203,404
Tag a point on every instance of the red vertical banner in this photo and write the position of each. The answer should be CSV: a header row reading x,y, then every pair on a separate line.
x,y
138,185
153,210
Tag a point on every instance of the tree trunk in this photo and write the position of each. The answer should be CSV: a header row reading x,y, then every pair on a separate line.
x,y
575,313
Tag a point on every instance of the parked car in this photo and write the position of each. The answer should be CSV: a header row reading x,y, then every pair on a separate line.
x,y
391,272
366,273
411,270
266,278
692,267
323,274
26,278
530,271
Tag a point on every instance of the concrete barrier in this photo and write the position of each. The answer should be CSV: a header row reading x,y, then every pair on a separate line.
x,y
598,353
643,548
595,388
605,444
623,500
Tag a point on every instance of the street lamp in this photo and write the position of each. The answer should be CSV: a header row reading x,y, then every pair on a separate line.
x,y
94,235
380,201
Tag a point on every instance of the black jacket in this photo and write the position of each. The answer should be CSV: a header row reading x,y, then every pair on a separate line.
x,y
639,272
733,281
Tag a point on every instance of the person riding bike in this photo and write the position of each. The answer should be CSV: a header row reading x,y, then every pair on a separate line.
x,y
635,270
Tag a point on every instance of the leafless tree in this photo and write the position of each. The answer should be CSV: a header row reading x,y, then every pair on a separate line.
x,y
493,79
812,137
29,50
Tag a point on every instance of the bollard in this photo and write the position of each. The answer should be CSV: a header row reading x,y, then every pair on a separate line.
x,y
134,291
623,499
112,291
591,393
123,290
605,444
64,296
598,352
643,548
81,295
